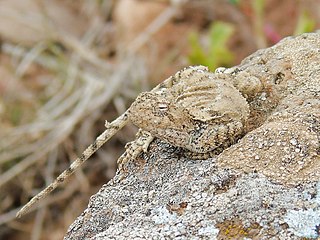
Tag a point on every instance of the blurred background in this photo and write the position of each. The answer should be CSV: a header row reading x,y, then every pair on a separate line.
x,y
67,66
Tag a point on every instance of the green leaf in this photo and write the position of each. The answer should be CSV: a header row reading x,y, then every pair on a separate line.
x,y
305,23
216,54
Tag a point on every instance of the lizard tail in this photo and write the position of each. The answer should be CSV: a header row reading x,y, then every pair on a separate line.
x,y
111,129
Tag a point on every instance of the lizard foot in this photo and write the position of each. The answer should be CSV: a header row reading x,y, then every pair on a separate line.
x,y
134,148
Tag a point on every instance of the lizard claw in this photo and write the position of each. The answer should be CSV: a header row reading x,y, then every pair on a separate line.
x,y
134,148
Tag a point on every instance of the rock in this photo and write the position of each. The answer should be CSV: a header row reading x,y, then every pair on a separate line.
x,y
266,186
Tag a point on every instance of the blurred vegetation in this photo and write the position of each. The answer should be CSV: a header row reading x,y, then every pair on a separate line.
x,y
305,23
67,66
217,53
213,51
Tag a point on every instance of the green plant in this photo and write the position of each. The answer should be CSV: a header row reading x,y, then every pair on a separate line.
x,y
305,23
258,7
216,53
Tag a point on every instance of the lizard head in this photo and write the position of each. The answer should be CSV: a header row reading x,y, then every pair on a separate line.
x,y
156,113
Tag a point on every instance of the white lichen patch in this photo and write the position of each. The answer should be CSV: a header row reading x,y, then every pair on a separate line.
x,y
161,216
304,223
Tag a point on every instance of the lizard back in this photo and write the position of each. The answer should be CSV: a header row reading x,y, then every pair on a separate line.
x,y
194,109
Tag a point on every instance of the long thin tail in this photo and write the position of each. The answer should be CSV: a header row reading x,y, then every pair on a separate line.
x,y
112,129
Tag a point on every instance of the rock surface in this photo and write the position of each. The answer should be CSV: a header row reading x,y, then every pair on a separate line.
x,y
266,186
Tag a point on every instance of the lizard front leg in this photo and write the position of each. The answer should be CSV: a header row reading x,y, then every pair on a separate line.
x,y
134,148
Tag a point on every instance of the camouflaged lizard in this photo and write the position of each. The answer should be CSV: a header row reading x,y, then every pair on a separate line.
x,y
200,111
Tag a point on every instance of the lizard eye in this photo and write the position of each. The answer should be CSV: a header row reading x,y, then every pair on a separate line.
x,y
163,107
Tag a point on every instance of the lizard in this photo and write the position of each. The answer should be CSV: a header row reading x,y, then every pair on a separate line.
x,y
198,110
